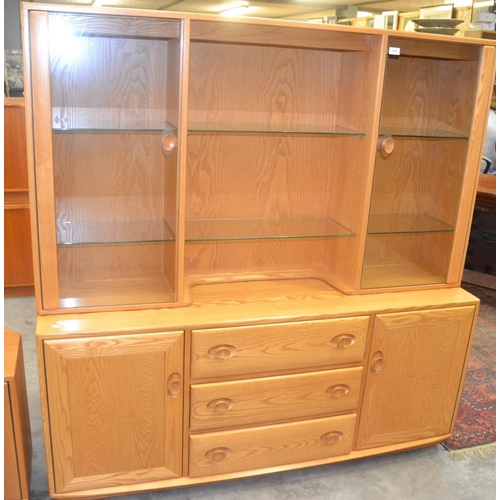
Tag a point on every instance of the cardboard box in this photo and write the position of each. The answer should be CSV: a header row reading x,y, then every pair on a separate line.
x,y
484,17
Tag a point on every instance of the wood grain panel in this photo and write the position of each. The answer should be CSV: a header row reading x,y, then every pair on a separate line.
x,y
234,32
435,49
277,347
231,84
43,158
117,26
15,159
483,91
413,396
270,446
274,399
12,484
428,94
109,176
129,378
108,83
97,275
406,259
18,261
421,176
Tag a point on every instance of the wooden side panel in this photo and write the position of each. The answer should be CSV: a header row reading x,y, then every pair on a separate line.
x,y
274,399
43,160
252,448
416,366
284,346
477,136
12,484
115,409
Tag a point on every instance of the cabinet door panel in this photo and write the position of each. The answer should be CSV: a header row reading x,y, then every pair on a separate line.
x,y
115,417
416,365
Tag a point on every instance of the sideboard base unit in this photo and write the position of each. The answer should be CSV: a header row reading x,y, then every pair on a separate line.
x,y
148,400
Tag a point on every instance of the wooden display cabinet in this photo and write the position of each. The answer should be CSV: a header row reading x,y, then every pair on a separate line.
x,y
257,228
18,260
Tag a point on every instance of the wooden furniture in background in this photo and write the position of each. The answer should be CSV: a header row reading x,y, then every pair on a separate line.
x,y
17,434
18,262
229,271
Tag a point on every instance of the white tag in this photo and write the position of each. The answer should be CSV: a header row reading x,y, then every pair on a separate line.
x,y
394,51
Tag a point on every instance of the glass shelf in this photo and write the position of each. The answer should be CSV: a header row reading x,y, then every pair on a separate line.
x,y
256,229
406,223
420,134
249,128
101,232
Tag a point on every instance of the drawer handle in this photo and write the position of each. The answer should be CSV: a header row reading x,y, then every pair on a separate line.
x,y
343,341
338,391
218,454
220,405
377,362
222,351
332,437
174,385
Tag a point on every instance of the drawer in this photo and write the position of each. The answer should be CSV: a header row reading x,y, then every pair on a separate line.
x,y
257,448
285,346
274,399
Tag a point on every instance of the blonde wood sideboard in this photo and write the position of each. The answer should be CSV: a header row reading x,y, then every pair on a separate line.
x,y
17,433
248,241
144,400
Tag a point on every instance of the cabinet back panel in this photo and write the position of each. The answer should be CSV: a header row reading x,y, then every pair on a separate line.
x,y
421,176
241,256
429,94
271,85
108,83
104,275
109,176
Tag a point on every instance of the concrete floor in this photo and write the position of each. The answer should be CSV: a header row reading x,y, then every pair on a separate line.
x,y
426,474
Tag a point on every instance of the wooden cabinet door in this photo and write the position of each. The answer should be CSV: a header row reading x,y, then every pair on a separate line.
x,y
416,365
115,409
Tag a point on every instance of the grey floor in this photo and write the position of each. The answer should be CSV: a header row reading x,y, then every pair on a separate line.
x,y
426,474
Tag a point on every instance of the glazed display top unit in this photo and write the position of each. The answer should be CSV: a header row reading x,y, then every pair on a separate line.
x,y
169,150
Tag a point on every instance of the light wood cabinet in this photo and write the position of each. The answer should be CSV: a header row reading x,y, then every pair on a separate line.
x,y
237,220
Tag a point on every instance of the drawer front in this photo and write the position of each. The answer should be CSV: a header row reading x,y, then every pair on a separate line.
x,y
257,448
286,346
274,399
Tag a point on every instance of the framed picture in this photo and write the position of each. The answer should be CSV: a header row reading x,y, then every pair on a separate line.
x,y
406,21
437,12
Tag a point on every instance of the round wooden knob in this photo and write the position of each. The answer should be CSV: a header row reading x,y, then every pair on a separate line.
x,y
218,454
377,362
343,341
386,145
220,405
222,351
332,437
174,385
338,391
168,142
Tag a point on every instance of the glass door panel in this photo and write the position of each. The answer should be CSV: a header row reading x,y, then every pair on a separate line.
x,y
115,101
424,127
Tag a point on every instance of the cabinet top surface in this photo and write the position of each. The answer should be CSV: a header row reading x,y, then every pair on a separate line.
x,y
226,304
12,347
28,6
